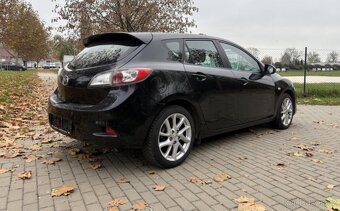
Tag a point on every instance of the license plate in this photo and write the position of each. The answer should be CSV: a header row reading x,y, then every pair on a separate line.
x,y
61,124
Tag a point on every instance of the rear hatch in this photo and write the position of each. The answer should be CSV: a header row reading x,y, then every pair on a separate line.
x,y
101,53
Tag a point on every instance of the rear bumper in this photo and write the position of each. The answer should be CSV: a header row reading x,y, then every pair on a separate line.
x,y
88,122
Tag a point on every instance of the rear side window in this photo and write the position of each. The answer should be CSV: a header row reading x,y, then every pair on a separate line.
x,y
202,53
174,50
99,54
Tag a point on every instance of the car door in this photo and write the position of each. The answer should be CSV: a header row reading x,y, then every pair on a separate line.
x,y
256,91
211,82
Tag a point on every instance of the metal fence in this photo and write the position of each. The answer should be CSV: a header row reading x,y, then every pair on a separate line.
x,y
314,72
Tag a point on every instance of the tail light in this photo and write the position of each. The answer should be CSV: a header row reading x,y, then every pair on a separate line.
x,y
120,77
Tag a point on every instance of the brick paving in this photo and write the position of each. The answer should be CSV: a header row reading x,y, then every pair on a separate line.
x,y
300,185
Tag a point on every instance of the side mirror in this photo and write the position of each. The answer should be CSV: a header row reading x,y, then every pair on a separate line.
x,y
269,69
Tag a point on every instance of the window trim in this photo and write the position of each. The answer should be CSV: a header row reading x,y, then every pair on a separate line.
x,y
241,49
202,39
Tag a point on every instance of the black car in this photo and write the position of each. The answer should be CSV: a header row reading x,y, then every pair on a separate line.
x,y
162,92
12,67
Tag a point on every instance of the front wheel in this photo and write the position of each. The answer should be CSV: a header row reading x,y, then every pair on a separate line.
x,y
285,112
170,138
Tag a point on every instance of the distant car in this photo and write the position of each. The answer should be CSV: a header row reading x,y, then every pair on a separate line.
x,y
12,67
162,92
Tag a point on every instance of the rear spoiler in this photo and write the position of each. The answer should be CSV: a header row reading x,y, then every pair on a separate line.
x,y
144,37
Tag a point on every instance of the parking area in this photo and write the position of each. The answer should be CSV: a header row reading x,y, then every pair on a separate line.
x,y
256,159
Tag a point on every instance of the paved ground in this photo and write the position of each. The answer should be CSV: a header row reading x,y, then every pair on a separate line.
x,y
314,79
250,157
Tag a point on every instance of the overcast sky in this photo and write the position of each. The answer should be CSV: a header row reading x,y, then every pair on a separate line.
x,y
272,24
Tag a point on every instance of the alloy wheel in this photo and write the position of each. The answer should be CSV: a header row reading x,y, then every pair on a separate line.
x,y
286,111
174,137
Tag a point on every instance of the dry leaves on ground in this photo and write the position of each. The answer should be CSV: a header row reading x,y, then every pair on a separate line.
x,y
308,154
332,204
11,153
73,151
316,161
36,147
152,172
295,138
117,202
25,175
198,181
159,187
96,164
52,161
122,180
327,150
65,190
280,166
221,177
330,186
32,157
2,171
296,154
249,204
139,205
304,147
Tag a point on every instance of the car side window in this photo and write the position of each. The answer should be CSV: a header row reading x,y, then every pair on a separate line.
x,y
174,50
202,53
239,60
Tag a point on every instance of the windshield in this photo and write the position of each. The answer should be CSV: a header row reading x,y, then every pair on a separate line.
x,y
101,54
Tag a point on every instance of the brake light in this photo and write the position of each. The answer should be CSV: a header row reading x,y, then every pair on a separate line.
x,y
121,77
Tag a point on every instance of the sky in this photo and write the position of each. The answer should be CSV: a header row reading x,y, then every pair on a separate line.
x,y
264,24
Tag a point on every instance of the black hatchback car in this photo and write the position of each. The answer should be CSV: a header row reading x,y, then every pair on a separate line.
x,y
163,92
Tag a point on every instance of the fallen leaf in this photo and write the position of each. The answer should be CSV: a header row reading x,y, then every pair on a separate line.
x,y
280,166
117,202
25,175
330,186
2,171
113,209
32,157
52,161
122,180
199,181
295,138
296,154
96,165
327,150
316,161
308,154
304,147
140,205
248,204
159,187
332,204
73,151
152,172
242,158
36,147
221,177
65,190
312,178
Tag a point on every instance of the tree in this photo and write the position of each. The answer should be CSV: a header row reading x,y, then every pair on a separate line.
x,y
313,57
267,60
254,51
87,17
26,34
332,57
291,56
61,47
7,10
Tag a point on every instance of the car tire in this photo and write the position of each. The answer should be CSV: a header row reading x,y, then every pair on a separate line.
x,y
285,113
167,145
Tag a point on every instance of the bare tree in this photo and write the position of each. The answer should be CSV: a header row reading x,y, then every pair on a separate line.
x,y
291,55
254,51
87,17
267,60
332,57
313,57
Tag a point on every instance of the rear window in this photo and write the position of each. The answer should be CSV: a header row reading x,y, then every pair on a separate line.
x,y
99,54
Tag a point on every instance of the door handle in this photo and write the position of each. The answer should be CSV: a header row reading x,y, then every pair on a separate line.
x,y
200,76
244,81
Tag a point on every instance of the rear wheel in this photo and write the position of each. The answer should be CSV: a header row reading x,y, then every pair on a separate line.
x,y
170,138
284,115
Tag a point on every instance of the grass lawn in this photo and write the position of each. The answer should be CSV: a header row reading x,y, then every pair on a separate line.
x,y
319,94
310,73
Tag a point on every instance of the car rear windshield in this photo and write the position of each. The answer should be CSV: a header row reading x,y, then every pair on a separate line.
x,y
99,54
